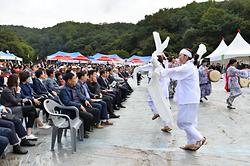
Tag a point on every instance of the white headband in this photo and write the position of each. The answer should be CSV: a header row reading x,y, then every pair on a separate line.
x,y
186,52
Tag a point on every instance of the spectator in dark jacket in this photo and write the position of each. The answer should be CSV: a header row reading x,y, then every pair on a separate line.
x,y
69,97
39,86
94,88
89,98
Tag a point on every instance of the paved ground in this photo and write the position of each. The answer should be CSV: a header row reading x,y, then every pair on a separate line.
x,y
136,140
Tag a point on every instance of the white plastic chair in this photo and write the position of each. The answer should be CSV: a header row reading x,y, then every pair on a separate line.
x,y
62,121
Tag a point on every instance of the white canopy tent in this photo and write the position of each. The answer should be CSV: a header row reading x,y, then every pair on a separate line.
x,y
217,54
238,49
9,56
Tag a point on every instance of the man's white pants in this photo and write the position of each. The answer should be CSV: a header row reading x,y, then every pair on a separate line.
x,y
187,121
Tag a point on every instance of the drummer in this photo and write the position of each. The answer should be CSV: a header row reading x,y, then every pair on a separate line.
x,y
205,84
233,82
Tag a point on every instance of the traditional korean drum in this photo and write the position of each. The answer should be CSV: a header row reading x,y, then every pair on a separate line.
x,y
243,82
214,75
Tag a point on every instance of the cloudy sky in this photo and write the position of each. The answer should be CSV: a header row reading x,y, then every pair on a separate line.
x,y
45,13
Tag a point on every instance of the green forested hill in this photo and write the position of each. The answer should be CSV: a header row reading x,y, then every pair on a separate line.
x,y
204,22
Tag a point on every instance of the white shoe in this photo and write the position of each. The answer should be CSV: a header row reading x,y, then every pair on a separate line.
x,y
45,126
31,137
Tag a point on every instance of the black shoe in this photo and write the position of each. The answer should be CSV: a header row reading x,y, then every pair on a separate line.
x,y
116,108
230,107
201,101
205,98
155,116
17,149
90,131
121,106
50,122
228,103
86,135
26,142
114,116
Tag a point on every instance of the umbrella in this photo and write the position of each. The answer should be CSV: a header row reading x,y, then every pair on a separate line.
x,y
104,58
115,59
81,58
61,57
136,60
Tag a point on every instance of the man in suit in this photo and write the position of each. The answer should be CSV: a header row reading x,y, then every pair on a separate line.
x,y
103,82
69,97
94,88
87,97
39,86
119,85
125,75
41,90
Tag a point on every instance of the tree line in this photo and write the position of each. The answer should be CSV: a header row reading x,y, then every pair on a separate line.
x,y
188,26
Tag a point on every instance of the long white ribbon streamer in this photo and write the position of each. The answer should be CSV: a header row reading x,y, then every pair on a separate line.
x,y
160,101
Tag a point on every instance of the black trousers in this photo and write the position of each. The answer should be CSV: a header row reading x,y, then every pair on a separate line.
x,y
86,117
115,95
109,103
124,91
128,86
96,114
110,96
30,112
102,106
26,111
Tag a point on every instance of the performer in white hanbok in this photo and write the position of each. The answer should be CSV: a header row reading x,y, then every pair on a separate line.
x,y
164,83
188,97
158,87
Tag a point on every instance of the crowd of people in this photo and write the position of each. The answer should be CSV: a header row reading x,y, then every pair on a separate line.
x,y
97,91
